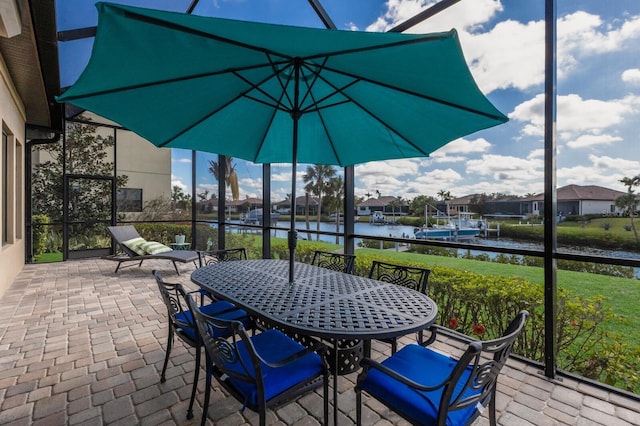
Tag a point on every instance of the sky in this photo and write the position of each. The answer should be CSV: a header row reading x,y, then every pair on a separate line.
x,y
598,86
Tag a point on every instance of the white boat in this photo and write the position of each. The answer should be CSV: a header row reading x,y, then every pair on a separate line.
x,y
450,228
254,217
377,218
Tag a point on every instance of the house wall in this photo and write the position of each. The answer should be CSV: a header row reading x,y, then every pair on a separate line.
x,y
13,118
147,166
599,207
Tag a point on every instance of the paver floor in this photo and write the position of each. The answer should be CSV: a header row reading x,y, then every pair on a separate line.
x,y
81,345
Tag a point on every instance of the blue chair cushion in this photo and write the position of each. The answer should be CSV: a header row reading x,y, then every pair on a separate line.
x,y
423,366
221,309
273,346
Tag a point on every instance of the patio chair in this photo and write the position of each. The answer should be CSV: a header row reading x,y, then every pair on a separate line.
x,y
443,391
263,371
181,324
211,257
334,261
406,276
130,242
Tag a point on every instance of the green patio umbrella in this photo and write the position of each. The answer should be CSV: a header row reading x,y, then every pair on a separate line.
x,y
273,94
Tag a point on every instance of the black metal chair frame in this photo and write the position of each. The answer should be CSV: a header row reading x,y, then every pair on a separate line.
x,y
335,261
223,255
485,358
219,350
175,298
407,276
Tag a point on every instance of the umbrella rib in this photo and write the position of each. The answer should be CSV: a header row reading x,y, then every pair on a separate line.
x,y
326,130
379,119
193,31
426,38
175,26
416,94
164,81
215,111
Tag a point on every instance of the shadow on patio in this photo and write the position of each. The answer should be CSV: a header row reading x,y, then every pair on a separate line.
x,y
82,345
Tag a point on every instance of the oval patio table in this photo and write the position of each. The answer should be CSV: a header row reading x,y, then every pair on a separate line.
x,y
343,309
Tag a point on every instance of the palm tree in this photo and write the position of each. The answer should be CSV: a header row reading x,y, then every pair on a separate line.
x,y
628,202
230,176
335,198
445,195
396,202
316,179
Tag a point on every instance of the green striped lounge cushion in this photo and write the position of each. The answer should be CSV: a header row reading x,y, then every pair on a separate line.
x,y
152,247
135,245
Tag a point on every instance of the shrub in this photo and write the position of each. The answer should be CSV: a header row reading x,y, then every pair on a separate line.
x,y
481,306
40,229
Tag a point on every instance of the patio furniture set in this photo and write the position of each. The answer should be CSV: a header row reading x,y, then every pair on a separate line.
x,y
268,340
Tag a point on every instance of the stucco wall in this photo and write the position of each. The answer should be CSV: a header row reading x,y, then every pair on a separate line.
x,y
13,117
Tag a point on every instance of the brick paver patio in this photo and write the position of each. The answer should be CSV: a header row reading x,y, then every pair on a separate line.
x,y
80,345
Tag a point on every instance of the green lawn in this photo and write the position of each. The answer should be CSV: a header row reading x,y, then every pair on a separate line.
x,y
621,294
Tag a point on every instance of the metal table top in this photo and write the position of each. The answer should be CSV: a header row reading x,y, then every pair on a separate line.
x,y
320,302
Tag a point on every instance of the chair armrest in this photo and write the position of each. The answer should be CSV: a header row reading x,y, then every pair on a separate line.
x,y
318,348
368,363
432,337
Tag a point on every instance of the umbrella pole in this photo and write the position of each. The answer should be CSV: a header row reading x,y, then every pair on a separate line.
x,y
293,234
295,115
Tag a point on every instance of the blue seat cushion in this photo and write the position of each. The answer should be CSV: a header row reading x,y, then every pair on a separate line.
x,y
273,346
221,309
423,366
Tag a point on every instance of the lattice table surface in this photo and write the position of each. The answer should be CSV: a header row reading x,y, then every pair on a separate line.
x,y
320,302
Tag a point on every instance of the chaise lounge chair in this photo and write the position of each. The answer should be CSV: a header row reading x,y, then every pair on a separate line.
x,y
122,234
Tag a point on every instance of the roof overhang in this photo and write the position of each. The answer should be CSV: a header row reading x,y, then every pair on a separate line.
x,y
32,61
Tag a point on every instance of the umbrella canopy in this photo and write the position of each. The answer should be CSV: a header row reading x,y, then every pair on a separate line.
x,y
271,94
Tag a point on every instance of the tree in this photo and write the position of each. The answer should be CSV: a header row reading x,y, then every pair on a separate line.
x,y
86,153
445,195
395,203
316,178
629,202
230,176
180,200
204,196
335,199
419,203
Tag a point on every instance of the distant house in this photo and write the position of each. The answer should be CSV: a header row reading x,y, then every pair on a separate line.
x,y
580,200
244,206
284,206
457,205
516,207
382,204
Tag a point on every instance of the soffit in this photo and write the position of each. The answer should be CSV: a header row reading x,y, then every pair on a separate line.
x,y
31,59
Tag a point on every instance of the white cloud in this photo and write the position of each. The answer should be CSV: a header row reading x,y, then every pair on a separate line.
x,y
463,146
181,160
631,76
575,115
465,15
582,32
386,168
504,167
212,188
536,153
590,140
446,154
176,181
604,171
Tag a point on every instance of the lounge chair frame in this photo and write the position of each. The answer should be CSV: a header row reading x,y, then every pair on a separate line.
x,y
120,234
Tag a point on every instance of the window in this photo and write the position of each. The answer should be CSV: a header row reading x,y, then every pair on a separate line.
x,y
129,200
5,188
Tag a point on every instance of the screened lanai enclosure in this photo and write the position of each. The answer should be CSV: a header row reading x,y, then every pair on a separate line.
x,y
558,69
